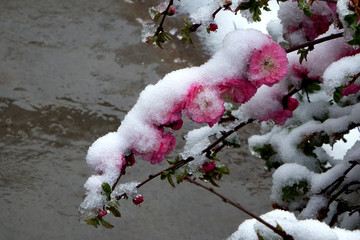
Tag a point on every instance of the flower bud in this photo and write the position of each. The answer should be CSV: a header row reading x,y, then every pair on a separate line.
x,y
208,166
102,213
138,199
213,27
171,11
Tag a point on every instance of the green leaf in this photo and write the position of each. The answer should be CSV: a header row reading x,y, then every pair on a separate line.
x,y
106,187
105,223
259,236
290,193
313,87
338,94
279,227
93,222
107,190
164,175
224,170
303,5
114,211
169,177
303,54
265,151
351,20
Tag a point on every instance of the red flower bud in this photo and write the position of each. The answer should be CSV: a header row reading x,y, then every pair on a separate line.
x,y
102,213
208,166
213,27
171,11
138,199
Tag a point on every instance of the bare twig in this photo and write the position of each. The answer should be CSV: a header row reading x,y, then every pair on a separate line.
x,y
160,27
317,41
280,232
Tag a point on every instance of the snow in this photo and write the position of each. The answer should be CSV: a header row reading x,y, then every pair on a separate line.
x,y
339,73
308,229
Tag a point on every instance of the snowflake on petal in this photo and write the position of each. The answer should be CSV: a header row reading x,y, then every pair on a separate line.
x,y
268,65
204,104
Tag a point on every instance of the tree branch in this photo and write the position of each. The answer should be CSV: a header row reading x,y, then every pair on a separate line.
x,y
160,27
317,41
189,159
282,233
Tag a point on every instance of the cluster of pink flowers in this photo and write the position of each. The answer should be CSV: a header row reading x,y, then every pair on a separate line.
x,y
301,27
205,103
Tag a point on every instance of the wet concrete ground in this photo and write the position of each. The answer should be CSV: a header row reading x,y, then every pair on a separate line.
x,y
69,72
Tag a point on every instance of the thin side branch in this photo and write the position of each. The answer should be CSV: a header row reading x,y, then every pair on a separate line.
x,y
160,27
282,233
189,159
317,41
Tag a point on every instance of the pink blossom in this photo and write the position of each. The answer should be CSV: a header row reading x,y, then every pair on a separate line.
x,y
268,65
208,166
173,118
166,145
240,90
300,71
291,103
351,89
204,104
138,199
318,25
280,117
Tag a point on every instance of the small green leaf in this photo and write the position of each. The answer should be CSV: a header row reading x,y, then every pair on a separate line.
x,y
93,222
313,87
338,94
164,175
259,236
106,187
224,170
105,223
114,211
303,54
279,227
290,193
169,177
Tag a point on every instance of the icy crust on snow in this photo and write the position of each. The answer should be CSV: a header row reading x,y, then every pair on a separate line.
x,y
300,229
126,188
140,133
339,73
